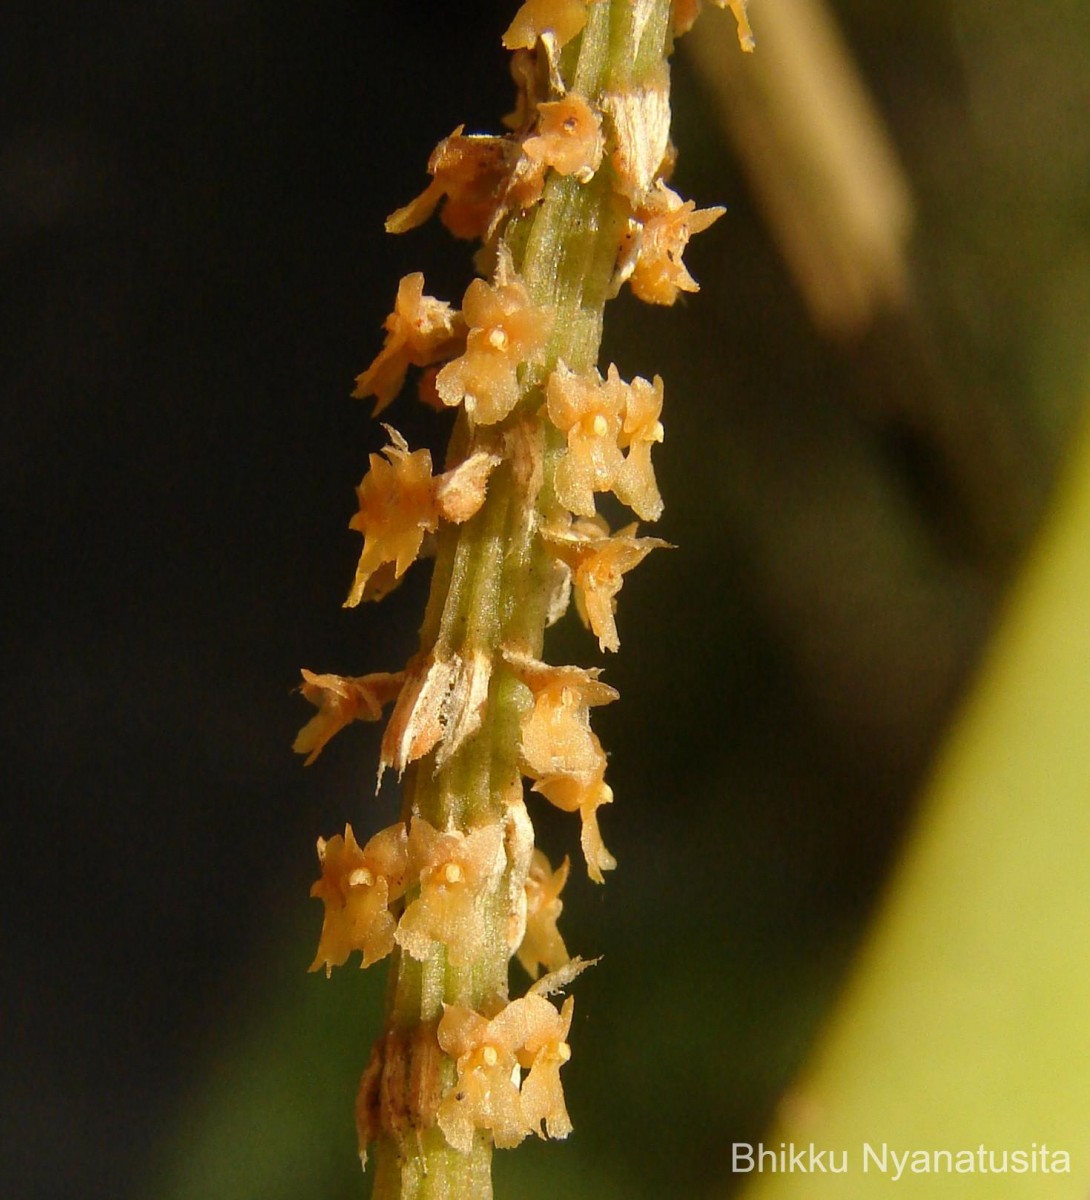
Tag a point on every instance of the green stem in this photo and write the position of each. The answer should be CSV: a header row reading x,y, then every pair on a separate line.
x,y
489,585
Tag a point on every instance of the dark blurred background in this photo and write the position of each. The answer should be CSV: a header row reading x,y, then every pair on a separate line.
x,y
194,270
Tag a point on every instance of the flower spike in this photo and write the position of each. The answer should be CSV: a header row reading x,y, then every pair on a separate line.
x,y
570,204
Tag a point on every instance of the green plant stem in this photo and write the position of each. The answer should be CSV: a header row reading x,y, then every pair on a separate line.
x,y
489,587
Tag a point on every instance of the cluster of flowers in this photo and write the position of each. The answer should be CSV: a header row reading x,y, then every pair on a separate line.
x,y
450,875
414,886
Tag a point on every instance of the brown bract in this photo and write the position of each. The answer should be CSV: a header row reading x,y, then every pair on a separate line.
x,y
357,887
562,18
341,700
506,329
420,331
460,492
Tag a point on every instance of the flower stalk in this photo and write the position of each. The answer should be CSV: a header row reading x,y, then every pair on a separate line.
x,y
569,206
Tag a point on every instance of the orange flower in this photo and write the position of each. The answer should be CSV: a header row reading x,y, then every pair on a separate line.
x,y
357,887
569,137
340,701
668,223
562,18
685,13
420,331
455,870
506,329
542,944
598,563
470,171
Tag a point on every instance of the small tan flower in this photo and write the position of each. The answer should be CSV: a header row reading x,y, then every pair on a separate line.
x,y
569,137
576,793
542,945
455,870
685,12
506,329
340,701
556,734
400,501
357,887
598,562
668,223
527,1033
560,752
590,412
486,1094
397,507
545,1050
602,418
420,331
562,18
635,484
470,171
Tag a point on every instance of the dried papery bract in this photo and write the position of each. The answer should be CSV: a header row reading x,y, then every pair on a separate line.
x,y
483,731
